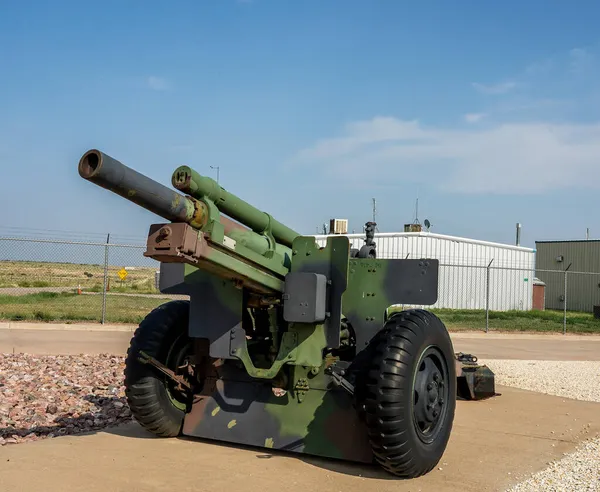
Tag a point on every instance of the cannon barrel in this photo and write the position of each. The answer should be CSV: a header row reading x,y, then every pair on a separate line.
x,y
189,181
108,173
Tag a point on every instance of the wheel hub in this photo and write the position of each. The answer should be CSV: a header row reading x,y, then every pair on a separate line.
x,y
430,395
178,385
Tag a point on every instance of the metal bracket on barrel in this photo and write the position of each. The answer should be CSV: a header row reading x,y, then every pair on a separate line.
x,y
267,232
214,229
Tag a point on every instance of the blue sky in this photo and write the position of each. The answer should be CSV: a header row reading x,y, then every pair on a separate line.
x,y
487,112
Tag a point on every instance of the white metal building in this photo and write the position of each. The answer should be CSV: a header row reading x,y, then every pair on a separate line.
x,y
464,268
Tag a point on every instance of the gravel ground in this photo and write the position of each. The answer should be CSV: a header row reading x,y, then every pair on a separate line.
x,y
578,471
47,396
579,380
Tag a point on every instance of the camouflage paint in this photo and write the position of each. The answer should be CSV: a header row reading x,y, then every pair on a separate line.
x,y
376,284
324,423
299,346
217,305
331,261
312,417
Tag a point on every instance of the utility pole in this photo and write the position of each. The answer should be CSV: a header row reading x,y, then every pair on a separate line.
x,y
217,168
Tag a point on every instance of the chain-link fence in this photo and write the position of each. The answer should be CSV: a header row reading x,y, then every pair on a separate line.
x,y
68,281
492,298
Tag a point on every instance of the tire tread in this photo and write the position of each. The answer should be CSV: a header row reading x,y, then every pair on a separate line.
x,y
389,377
144,388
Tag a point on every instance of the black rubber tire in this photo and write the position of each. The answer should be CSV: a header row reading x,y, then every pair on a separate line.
x,y
391,381
145,386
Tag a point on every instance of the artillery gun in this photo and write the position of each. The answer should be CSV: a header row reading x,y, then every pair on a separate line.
x,y
285,344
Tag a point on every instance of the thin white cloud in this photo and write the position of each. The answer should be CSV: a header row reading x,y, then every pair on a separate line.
x,y
474,117
157,83
556,86
539,67
500,88
519,158
580,60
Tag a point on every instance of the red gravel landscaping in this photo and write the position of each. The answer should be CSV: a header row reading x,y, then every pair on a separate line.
x,y
48,396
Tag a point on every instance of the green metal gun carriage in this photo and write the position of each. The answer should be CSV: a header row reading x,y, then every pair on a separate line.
x,y
284,344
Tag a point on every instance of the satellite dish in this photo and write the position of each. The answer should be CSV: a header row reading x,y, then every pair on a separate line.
x,y
427,223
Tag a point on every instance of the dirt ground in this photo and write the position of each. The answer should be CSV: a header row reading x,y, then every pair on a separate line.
x,y
495,443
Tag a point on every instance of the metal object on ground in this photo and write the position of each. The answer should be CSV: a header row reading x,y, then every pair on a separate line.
x,y
475,381
284,344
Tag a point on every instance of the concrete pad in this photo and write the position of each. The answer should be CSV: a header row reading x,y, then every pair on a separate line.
x,y
495,443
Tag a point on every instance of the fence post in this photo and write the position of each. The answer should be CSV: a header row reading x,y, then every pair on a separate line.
x,y
487,296
565,306
104,288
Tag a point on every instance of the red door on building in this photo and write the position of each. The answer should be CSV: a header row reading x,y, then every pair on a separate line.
x,y
539,295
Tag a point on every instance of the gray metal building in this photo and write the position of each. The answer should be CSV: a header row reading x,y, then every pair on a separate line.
x,y
581,260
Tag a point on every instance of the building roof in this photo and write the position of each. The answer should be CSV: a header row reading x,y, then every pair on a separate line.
x,y
558,241
435,236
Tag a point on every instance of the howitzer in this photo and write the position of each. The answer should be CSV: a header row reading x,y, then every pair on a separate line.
x,y
285,343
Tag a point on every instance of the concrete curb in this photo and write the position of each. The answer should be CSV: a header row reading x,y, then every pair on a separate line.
x,y
20,325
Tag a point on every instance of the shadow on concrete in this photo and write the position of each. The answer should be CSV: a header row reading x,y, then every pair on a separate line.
x,y
112,416
135,431
337,466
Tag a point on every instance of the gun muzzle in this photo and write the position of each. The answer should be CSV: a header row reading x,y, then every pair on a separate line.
x,y
108,173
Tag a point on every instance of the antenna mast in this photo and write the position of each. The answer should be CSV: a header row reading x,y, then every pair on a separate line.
x,y
375,213
417,211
